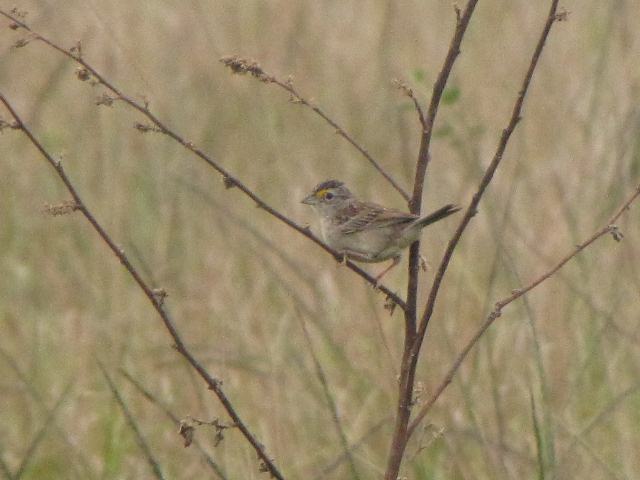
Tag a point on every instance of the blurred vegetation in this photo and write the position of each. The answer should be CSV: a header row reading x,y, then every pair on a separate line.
x,y
550,392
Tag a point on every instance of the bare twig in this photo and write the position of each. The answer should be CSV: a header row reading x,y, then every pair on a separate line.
x,y
142,443
408,364
241,65
88,72
154,400
157,302
408,91
610,228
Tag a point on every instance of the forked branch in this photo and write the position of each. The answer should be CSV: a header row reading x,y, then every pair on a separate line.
x,y
156,300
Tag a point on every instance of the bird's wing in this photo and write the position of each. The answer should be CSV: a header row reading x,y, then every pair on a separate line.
x,y
365,216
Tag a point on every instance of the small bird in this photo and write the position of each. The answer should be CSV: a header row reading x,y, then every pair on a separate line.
x,y
365,231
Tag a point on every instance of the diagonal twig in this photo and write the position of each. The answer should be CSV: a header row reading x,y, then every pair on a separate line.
x,y
610,228
408,91
87,72
241,65
156,300
142,443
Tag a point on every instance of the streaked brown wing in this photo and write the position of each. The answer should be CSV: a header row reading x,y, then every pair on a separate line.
x,y
374,216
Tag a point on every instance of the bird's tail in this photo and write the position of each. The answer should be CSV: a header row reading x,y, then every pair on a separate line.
x,y
437,215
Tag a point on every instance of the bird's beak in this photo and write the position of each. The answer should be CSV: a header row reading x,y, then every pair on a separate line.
x,y
310,200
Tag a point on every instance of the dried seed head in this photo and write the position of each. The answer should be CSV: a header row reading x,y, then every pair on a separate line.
x,y
241,66
83,74
22,42
562,15
145,127
19,13
105,99
403,87
616,233
229,182
64,208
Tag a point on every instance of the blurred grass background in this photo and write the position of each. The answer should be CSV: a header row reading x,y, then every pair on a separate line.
x,y
550,392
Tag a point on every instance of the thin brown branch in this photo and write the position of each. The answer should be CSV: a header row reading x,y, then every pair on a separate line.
x,y
156,300
408,363
88,73
241,65
142,443
610,228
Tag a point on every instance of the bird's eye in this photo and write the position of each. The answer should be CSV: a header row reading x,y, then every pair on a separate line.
x,y
328,196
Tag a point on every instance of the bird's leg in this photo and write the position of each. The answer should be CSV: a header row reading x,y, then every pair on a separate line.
x,y
394,261
344,258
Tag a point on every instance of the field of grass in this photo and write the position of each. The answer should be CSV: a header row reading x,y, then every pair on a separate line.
x,y
552,391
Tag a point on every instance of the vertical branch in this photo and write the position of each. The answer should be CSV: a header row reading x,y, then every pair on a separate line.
x,y
407,368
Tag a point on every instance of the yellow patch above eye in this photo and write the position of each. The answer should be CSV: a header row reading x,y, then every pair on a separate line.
x,y
322,193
